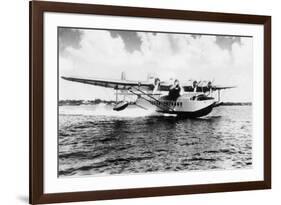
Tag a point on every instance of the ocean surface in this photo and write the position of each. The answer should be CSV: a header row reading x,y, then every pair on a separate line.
x,y
95,140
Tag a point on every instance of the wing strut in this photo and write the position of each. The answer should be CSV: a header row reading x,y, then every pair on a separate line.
x,y
116,96
160,103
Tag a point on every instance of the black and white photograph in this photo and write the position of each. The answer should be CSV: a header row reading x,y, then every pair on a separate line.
x,y
144,102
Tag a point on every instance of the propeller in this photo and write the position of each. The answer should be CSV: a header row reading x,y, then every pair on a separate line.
x,y
156,81
194,83
210,84
156,84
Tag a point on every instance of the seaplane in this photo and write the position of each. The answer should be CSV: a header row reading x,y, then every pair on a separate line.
x,y
193,99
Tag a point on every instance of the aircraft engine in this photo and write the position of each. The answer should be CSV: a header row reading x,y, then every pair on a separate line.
x,y
156,81
209,85
194,83
156,84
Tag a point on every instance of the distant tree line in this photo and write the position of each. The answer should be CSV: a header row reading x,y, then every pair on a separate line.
x,y
236,103
98,101
84,102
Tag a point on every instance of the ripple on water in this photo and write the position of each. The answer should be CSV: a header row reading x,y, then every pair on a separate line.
x,y
99,144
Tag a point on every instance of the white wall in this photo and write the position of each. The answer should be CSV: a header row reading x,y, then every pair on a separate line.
x,y
14,101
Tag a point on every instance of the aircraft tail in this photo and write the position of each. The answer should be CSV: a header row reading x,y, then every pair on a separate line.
x,y
123,76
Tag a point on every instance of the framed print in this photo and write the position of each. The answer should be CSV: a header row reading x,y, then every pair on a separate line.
x,y
139,102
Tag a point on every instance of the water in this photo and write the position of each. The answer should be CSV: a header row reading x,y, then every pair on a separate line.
x,y
94,140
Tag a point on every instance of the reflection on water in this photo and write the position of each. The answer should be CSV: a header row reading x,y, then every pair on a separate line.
x,y
96,140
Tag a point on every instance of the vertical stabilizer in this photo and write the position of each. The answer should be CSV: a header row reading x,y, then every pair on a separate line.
x,y
123,76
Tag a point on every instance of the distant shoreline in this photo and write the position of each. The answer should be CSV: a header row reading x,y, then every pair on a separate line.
x,y
85,102
109,102
236,104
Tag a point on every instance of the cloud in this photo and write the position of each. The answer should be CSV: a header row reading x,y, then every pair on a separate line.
x,y
130,39
69,38
105,55
226,42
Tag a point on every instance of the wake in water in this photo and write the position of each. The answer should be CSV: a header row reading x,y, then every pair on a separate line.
x,y
95,140
105,110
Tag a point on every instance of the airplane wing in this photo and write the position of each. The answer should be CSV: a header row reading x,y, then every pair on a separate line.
x,y
189,88
222,87
148,86
164,86
115,84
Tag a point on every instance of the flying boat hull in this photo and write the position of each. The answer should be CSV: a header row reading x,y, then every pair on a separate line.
x,y
182,106
192,114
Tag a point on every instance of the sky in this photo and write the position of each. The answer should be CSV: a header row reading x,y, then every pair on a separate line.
x,y
91,53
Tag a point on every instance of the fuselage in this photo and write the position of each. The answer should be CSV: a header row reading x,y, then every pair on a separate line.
x,y
187,105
